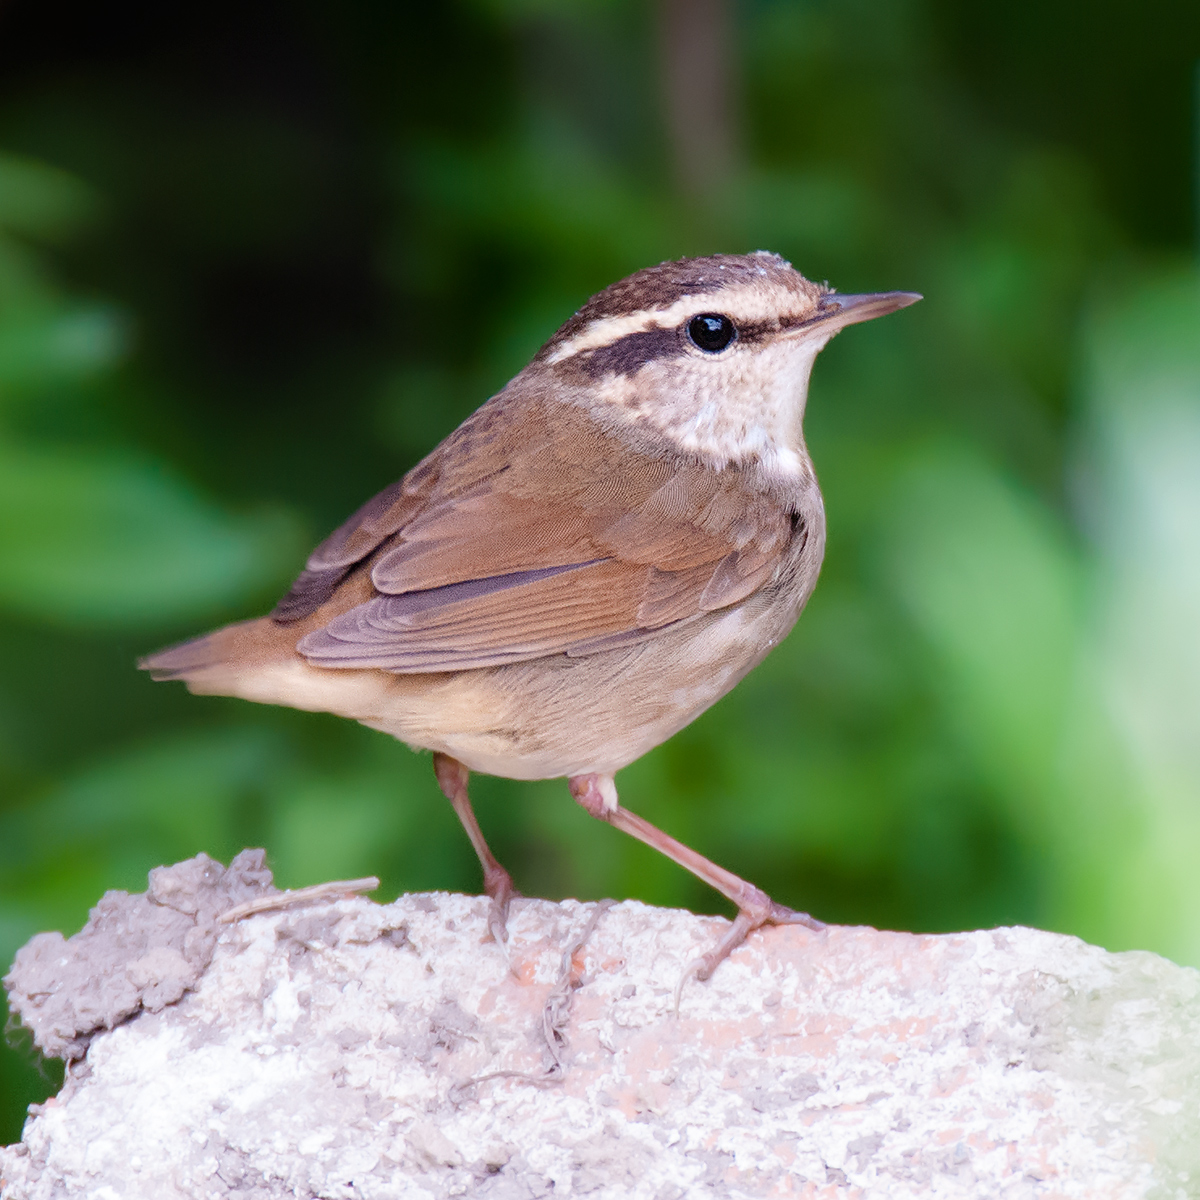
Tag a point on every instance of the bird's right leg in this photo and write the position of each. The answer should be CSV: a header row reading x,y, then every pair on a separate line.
x,y
452,778
598,796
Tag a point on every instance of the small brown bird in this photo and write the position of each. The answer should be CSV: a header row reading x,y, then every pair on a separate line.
x,y
589,561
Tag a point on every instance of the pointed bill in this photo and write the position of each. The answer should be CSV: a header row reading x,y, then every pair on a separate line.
x,y
836,310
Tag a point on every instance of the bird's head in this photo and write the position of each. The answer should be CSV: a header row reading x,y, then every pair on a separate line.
x,y
712,353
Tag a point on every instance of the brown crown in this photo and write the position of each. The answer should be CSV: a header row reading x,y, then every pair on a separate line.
x,y
661,286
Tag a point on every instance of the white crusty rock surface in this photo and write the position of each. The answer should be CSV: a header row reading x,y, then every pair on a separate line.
x,y
356,1050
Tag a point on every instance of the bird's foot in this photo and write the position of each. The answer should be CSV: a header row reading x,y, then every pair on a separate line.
x,y
598,795
757,910
498,887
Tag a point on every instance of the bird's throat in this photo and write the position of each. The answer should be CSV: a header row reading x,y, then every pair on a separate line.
x,y
753,416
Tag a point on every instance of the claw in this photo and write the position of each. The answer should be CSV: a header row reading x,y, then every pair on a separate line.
x,y
781,915
747,920
691,971
498,886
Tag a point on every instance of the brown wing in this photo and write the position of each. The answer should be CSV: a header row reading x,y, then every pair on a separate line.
x,y
520,538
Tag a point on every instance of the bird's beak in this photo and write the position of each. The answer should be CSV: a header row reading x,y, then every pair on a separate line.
x,y
836,310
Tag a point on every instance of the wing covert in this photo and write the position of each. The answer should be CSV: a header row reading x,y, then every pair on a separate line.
x,y
569,541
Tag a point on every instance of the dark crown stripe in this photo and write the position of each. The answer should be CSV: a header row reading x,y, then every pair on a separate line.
x,y
662,286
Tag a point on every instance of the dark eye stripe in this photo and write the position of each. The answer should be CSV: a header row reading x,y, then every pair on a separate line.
x,y
629,353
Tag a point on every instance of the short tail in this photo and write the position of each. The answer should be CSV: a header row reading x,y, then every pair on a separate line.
x,y
214,654
184,659
257,660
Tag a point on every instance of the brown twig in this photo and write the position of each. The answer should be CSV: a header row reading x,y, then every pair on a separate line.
x,y
339,889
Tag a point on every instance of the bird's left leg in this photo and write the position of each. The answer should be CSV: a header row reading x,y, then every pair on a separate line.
x,y
598,795
452,778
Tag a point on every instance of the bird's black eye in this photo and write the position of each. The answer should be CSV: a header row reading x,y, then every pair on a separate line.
x,y
711,332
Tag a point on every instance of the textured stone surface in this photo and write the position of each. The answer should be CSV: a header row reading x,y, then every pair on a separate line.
x,y
353,1050
135,952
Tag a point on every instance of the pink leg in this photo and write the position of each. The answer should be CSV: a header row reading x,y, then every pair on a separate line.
x,y
598,795
452,778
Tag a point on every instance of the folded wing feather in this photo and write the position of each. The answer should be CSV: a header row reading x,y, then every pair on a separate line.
x,y
501,548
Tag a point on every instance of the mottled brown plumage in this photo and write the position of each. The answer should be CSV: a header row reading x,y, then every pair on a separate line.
x,y
592,559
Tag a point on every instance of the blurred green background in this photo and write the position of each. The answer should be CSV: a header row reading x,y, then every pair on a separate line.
x,y
256,259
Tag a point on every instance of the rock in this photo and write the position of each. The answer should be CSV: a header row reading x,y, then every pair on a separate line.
x,y
135,952
349,1049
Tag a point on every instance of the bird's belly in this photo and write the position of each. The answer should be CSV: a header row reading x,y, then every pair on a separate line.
x,y
571,716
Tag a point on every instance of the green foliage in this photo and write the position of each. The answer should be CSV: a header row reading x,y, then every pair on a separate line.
x,y
41,201
105,539
223,324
